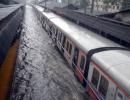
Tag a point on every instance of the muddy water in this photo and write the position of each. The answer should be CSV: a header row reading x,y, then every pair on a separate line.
x,y
41,73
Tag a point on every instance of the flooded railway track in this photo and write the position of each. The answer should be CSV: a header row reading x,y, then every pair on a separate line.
x,y
41,73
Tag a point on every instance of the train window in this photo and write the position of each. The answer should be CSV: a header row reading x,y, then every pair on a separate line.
x,y
82,62
70,49
63,43
59,36
53,30
95,77
75,58
67,46
49,27
120,96
56,33
103,86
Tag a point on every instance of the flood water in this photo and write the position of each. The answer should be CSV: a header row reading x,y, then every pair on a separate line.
x,y
41,73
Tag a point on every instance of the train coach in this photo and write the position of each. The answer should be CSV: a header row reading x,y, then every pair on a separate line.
x,y
101,65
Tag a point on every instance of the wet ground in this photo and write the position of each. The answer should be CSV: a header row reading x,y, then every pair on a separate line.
x,y
41,73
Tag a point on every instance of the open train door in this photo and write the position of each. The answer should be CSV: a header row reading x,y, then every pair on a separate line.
x,y
75,58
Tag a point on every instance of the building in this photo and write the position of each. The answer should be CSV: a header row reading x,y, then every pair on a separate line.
x,y
99,5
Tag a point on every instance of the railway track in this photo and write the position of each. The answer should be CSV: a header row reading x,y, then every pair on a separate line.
x,y
10,26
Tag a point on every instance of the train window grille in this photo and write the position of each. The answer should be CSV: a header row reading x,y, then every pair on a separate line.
x,y
53,30
95,78
63,43
59,37
67,46
56,33
103,86
75,57
120,96
82,62
49,29
70,48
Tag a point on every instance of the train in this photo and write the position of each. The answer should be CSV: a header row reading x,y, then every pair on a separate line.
x,y
10,25
101,65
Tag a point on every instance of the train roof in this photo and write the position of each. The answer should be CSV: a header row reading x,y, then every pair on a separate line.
x,y
48,14
4,12
85,39
116,63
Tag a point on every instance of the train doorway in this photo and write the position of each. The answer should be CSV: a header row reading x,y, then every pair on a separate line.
x,y
75,58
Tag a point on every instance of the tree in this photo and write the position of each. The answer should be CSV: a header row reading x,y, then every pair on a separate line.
x,y
84,4
125,4
67,1
97,4
111,2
